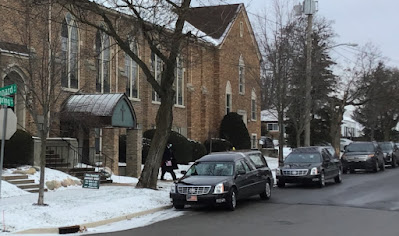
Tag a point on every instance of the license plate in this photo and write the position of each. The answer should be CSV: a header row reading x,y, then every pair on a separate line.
x,y
191,198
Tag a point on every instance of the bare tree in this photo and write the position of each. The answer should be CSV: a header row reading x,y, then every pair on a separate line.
x,y
161,25
279,50
39,89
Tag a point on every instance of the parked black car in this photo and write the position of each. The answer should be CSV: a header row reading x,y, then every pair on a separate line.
x,y
310,165
363,155
391,153
221,179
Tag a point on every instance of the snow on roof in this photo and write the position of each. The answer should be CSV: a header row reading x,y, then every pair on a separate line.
x,y
94,104
209,23
269,115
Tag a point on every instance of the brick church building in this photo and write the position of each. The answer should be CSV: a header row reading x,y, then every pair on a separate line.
x,y
216,74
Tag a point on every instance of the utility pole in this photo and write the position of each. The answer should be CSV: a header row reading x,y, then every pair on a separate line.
x,y
309,8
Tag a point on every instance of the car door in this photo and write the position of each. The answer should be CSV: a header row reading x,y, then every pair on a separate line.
x,y
254,176
241,180
330,169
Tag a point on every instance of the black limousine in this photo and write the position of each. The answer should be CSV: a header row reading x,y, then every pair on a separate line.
x,y
221,179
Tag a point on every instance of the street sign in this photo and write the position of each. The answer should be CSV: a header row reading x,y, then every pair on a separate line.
x,y
6,101
8,90
11,127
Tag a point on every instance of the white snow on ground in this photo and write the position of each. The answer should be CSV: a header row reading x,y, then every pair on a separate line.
x,y
75,205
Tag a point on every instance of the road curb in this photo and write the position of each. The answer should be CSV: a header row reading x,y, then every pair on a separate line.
x,y
96,223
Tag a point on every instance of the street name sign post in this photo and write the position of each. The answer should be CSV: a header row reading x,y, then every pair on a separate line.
x,y
5,101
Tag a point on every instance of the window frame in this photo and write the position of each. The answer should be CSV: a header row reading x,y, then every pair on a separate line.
x,y
179,87
103,50
241,76
70,48
156,67
132,74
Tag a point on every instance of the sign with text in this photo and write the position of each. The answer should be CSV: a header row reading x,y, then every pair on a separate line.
x,y
91,181
6,101
8,90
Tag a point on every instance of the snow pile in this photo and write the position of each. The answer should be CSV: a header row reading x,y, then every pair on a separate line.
x,y
10,190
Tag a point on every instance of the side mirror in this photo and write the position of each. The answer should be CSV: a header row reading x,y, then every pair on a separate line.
x,y
327,160
261,142
183,172
241,172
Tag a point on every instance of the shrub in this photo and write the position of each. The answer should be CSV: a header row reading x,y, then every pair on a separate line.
x,y
181,147
218,145
198,150
233,129
19,149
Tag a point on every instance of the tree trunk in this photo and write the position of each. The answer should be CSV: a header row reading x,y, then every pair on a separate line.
x,y
40,200
149,176
298,139
281,138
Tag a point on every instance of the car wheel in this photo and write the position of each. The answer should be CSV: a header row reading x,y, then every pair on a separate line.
x,y
393,162
232,200
352,171
178,206
322,180
338,178
280,184
375,169
267,193
344,170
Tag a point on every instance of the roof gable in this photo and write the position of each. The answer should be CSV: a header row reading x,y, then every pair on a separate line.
x,y
214,21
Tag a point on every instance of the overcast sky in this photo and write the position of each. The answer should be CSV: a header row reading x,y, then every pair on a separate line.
x,y
355,21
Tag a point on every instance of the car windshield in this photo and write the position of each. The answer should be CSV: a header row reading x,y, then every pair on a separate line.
x,y
303,158
386,147
360,147
211,169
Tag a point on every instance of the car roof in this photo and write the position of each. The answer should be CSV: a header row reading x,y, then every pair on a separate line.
x,y
222,156
310,149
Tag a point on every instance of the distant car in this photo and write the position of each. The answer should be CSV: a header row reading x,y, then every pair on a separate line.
x,y
267,142
343,143
391,153
310,165
363,155
221,179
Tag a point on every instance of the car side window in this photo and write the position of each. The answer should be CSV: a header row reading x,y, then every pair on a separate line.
x,y
326,156
250,164
246,167
257,160
239,167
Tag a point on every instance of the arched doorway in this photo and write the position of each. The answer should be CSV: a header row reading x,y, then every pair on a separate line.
x,y
13,77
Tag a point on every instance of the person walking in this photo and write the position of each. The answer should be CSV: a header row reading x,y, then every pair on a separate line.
x,y
168,162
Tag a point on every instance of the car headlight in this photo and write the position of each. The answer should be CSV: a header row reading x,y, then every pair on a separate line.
x,y
173,188
219,188
314,171
278,172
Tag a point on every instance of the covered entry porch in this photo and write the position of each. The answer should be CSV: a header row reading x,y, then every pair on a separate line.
x,y
98,121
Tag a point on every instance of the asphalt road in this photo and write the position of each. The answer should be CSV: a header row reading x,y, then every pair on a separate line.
x,y
363,204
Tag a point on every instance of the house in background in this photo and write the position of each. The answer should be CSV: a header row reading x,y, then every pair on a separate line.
x,y
349,127
270,127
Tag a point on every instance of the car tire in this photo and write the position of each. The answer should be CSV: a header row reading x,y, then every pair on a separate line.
x,y
393,162
178,206
232,200
322,180
338,178
352,171
280,184
344,170
267,193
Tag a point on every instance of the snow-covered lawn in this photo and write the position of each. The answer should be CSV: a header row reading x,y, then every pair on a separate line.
x,y
75,205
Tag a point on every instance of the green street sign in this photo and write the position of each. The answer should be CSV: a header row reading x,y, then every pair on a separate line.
x,y
5,101
8,90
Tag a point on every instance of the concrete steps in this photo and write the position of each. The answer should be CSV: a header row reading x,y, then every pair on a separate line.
x,y
23,182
